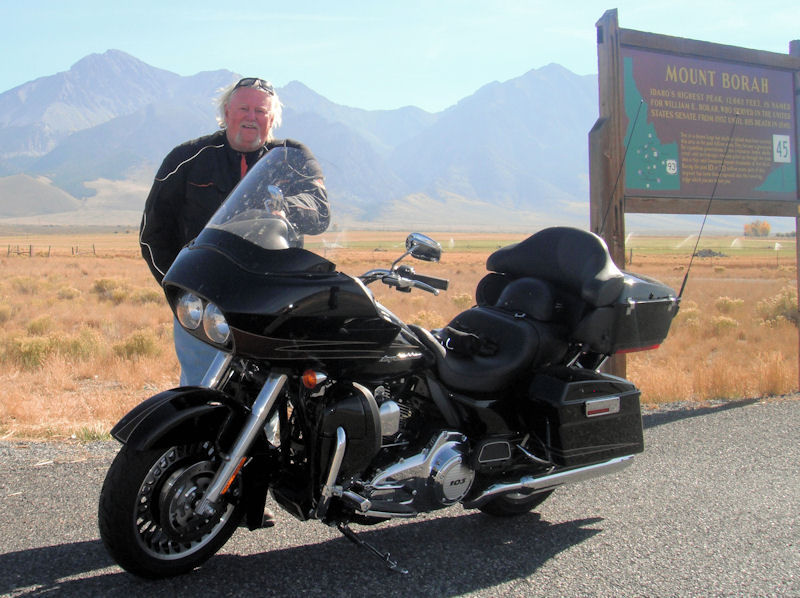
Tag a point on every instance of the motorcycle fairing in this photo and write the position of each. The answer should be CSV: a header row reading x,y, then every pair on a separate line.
x,y
283,305
259,259
353,408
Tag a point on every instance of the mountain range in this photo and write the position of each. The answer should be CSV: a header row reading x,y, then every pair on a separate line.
x,y
82,146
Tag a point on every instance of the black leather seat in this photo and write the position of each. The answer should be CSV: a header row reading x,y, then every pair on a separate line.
x,y
511,338
585,281
572,259
555,287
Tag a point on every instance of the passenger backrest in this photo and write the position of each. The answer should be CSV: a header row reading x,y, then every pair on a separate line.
x,y
573,260
489,288
529,296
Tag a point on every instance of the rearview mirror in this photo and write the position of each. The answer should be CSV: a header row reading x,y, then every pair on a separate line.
x,y
423,247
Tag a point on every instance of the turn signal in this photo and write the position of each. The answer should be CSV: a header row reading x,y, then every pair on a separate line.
x,y
312,379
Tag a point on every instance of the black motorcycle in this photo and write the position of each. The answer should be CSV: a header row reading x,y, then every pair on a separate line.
x,y
323,398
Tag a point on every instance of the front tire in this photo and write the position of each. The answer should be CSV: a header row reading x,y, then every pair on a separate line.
x,y
146,513
514,503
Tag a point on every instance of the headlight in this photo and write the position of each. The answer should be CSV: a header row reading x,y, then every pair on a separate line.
x,y
189,310
215,324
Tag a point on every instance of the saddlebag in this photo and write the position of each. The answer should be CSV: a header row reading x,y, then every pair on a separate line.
x,y
583,417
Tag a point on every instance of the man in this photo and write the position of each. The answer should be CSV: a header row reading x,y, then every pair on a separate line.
x,y
197,176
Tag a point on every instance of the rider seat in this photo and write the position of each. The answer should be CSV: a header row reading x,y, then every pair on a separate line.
x,y
486,349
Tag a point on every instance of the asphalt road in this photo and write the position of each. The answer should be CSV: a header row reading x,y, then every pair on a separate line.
x,y
712,508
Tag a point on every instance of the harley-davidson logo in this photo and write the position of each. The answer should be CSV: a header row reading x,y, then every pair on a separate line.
x,y
400,357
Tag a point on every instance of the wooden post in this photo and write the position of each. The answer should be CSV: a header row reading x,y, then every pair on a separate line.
x,y
794,50
606,153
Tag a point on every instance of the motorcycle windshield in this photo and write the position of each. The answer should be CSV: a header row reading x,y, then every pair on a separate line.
x,y
255,212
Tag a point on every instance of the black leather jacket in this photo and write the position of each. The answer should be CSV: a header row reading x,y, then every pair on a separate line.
x,y
194,180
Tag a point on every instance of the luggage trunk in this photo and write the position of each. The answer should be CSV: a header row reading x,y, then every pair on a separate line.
x,y
643,314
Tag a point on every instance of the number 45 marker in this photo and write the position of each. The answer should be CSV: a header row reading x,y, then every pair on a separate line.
x,y
781,150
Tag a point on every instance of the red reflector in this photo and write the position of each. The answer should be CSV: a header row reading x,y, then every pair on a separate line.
x,y
637,349
598,411
233,477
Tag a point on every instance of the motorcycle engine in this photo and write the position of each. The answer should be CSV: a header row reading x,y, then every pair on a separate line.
x,y
437,476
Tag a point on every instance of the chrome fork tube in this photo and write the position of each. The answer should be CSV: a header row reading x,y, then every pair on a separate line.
x,y
219,366
263,404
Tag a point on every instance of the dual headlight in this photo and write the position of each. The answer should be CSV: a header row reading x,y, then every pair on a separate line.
x,y
193,311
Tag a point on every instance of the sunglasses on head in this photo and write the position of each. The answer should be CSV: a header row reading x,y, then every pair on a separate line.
x,y
257,83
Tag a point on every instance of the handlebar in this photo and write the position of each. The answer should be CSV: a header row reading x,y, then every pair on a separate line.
x,y
404,279
433,281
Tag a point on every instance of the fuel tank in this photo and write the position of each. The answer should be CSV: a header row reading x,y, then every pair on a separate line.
x,y
292,304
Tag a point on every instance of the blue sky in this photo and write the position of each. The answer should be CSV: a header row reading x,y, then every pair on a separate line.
x,y
374,54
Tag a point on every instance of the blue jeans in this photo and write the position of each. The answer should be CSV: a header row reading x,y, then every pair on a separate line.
x,y
194,355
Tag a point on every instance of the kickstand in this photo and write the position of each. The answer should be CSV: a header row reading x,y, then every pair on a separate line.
x,y
386,558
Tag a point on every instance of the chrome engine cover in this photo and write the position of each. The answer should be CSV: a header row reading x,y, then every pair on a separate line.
x,y
436,477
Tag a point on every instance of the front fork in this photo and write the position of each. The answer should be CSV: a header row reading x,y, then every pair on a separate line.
x,y
256,420
214,375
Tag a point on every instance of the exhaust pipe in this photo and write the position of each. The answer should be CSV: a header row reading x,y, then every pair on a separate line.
x,y
548,482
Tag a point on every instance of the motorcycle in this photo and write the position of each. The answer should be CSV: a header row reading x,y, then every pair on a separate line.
x,y
325,400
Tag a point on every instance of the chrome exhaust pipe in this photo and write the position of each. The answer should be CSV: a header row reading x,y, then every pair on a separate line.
x,y
548,482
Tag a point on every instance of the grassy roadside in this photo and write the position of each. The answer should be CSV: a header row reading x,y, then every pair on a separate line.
x,y
88,336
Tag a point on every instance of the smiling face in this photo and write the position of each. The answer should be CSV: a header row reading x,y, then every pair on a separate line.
x,y
248,118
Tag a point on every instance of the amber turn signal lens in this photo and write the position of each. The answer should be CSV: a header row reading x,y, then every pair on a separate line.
x,y
312,379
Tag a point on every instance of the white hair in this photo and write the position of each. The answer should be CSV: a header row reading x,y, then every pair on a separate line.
x,y
275,107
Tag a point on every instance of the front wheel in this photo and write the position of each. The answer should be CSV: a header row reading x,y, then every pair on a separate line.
x,y
514,503
146,514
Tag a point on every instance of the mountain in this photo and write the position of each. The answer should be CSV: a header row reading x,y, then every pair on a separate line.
x,y
95,90
521,144
514,153
29,196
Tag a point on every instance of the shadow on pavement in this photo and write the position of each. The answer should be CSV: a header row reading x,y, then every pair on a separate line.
x,y
658,418
445,557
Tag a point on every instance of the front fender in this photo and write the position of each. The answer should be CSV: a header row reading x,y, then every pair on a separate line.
x,y
177,416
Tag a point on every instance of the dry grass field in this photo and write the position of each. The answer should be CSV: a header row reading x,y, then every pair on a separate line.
x,y
87,334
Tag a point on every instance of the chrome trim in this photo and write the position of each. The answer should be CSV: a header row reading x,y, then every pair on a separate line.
x,y
417,467
391,515
360,503
601,407
329,489
548,482
577,356
505,457
534,458
602,363
263,404
389,412
213,375
416,483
